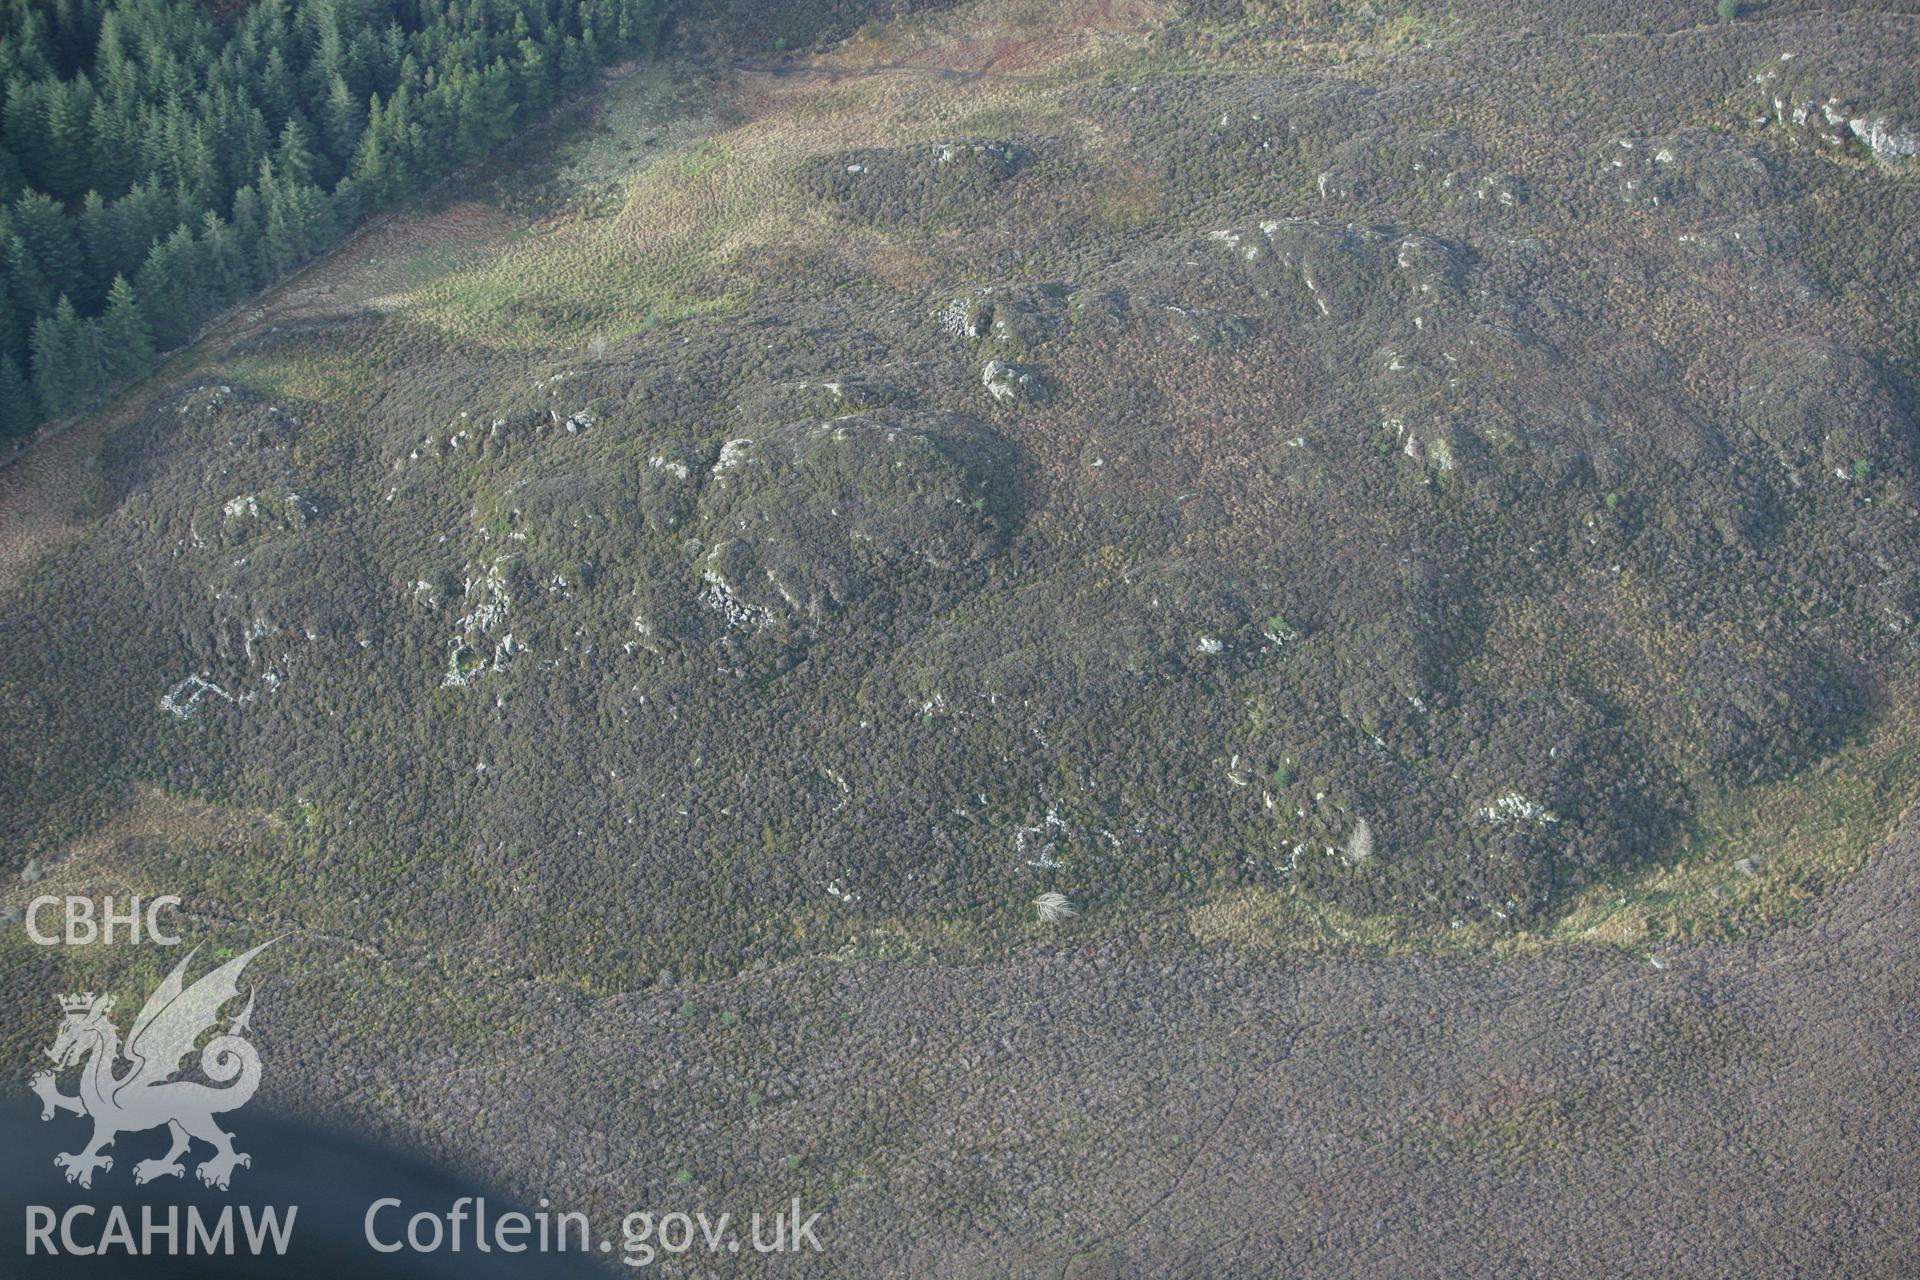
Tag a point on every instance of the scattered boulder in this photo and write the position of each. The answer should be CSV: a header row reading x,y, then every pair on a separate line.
x,y
249,515
1347,273
1387,164
1010,383
1009,319
1890,141
1704,172
1832,121
815,516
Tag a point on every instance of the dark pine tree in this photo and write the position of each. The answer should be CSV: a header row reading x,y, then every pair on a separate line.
x,y
126,339
199,150
62,372
18,410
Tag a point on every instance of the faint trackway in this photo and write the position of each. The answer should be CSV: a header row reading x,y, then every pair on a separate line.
x,y
1055,45
1178,1184
809,71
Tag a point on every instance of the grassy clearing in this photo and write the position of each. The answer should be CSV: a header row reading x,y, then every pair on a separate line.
x,y
650,114
675,202
606,277
319,376
1287,919
710,205
1800,838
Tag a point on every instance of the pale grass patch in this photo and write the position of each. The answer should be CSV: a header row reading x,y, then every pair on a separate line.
x,y
1291,920
1805,834
693,226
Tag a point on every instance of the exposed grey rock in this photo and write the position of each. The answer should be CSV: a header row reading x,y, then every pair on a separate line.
x,y
814,515
1888,140
1009,383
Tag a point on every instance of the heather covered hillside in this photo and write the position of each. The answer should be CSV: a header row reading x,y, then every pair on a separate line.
x,y
1190,466
1435,484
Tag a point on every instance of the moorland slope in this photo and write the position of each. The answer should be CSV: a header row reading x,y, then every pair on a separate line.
x,y
1434,491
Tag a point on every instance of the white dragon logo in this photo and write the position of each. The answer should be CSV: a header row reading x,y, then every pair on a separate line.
x,y
146,1096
